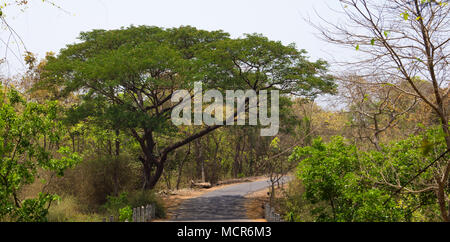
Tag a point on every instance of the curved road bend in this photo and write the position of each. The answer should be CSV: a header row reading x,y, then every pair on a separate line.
x,y
225,204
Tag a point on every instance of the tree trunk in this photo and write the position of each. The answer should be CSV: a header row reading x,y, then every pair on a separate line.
x,y
117,141
272,193
168,177
236,159
150,161
442,201
116,164
73,142
148,170
200,160
180,173
445,212
151,177
180,168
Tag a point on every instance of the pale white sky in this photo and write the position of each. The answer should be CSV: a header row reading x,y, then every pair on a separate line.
x,y
46,28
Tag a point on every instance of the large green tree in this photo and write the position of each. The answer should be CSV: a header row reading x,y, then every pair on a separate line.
x,y
127,77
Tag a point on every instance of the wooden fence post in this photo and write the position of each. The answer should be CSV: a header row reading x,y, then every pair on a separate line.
x,y
147,213
138,214
142,214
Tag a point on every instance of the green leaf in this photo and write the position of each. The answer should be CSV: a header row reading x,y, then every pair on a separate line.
x,y
405,15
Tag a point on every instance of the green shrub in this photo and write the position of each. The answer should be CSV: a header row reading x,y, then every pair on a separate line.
x,y
125,214
34,210
115,203
333,183
346,184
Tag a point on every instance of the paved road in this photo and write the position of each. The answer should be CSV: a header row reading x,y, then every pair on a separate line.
x,y
225,204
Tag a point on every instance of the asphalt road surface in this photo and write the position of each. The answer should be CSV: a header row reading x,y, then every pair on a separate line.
x,y
225,204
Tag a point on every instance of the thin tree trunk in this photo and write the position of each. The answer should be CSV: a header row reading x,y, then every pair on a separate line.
x,y
180,168
236,159
117,141
445,211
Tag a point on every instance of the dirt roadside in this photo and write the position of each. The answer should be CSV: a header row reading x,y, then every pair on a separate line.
x,y
254,204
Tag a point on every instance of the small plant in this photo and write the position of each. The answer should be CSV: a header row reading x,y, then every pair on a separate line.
x,y
113,203
35,210
125,214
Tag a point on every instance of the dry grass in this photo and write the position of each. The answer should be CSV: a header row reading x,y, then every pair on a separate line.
x,y
68,210
254,204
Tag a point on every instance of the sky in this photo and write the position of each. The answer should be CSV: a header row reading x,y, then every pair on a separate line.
x,y
45,28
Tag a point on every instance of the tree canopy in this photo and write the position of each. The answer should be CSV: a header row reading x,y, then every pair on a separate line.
x,y
127,78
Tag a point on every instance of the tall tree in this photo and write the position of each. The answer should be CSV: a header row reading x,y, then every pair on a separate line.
x,y
127,78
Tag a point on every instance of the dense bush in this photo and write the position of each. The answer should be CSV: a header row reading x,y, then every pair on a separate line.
x,y
125,214
345,184
96,178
